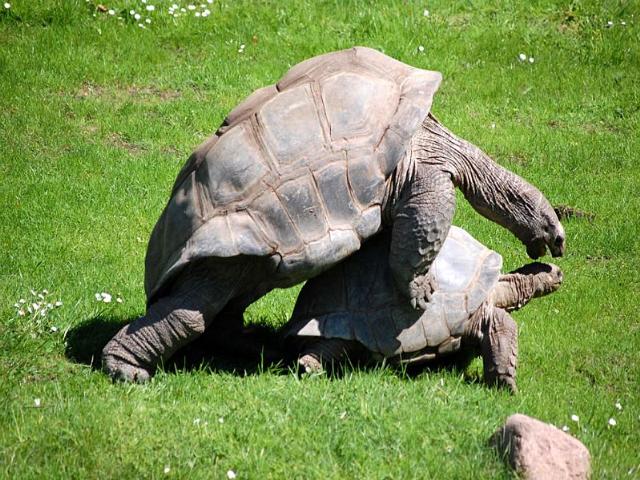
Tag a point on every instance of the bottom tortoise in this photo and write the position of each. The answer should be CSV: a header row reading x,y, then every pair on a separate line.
x,y
355,310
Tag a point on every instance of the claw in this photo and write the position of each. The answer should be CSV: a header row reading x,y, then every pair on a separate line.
x,y
421,289
507,382
422,302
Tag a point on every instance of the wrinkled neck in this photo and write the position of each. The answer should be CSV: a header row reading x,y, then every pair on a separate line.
x,y
493,191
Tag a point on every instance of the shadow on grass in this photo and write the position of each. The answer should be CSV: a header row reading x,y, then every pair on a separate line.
x,y
86,341
248,351
252,350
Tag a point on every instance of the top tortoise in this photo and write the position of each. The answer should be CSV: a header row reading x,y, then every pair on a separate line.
x,y
296,178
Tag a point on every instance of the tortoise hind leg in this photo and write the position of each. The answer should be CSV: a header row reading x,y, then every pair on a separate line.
x,y
318,354
499,347
172,321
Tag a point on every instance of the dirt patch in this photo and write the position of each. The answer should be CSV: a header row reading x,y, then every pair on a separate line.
x,y
172,150
87,90
459,20
566,212
600,128
147,94
153,92
120,141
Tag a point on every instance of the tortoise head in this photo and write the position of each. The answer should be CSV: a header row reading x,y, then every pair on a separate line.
x,y
540,229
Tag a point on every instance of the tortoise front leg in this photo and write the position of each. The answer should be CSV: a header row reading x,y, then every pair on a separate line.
x,y
497,333
500,349
421,220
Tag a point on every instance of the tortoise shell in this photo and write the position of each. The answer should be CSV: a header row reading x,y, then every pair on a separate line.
x,y
357,299
298,170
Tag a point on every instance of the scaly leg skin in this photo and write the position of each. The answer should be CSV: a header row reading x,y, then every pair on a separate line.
x,y
324,353
170,323
499,345
421,220
516,289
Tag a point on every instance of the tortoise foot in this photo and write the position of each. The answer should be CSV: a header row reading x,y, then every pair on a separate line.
x,y
506,382
121,364
420,290
120,370
310,364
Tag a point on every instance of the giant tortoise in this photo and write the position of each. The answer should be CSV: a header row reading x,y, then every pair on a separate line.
x,y
354,311
298,176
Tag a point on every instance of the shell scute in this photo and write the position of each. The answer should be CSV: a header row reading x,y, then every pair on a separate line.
x,y
392,148
233,168
411,336
247,107
364,177
291,127
268,212
358,108
370,222
300,199
336,195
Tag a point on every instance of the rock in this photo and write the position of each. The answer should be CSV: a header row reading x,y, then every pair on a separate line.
x,y
540,451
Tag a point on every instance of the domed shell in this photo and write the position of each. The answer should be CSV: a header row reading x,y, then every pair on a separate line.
x,y
357,299
297,170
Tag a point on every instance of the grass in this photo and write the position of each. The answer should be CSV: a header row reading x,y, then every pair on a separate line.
x,y
97,116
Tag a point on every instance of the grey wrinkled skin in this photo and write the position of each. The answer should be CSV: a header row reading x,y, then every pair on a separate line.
x,y
354,310
298,176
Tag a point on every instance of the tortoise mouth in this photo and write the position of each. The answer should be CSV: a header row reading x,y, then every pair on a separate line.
x,y
556,247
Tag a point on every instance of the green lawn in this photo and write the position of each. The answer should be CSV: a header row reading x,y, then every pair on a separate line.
x,y
97,115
